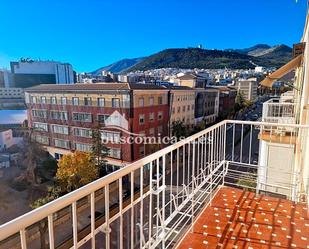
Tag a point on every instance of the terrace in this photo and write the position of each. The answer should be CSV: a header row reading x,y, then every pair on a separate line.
x,y
177,193
277,111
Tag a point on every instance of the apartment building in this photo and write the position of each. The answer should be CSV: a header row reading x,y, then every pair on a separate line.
x,y
226,98
248,88
288,151
182,105
63,116
191,80
206,105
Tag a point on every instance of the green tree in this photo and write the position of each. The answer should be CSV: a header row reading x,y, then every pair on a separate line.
x,y
239,102
76,170
99,151
179,129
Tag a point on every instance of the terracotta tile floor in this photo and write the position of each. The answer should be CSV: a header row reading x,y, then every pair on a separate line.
x,y
240,219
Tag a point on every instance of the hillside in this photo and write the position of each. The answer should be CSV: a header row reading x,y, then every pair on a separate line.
x,y
260,54
275,54
194,58
213,59
118,66
251,50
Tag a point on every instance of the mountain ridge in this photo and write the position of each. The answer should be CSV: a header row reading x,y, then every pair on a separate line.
x,y
259,54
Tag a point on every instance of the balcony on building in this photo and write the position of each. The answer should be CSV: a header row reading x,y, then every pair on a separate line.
x,y
211,189
281,110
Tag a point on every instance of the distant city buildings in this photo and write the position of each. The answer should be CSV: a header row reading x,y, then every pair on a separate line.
x,y
206,105
192,80
247,88
6,78
182,105
226,99
27,73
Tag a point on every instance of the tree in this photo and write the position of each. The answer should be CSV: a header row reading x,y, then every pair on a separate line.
x,y
99,151
239,102
76,170
33,156
53,193
179,129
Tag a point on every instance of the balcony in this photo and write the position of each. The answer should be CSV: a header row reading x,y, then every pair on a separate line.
x,y
275,111
167,196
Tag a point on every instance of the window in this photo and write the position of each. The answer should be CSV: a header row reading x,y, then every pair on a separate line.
x,y
151,101
141,118
63,100
102,118
82,117
184,108
33,100
39,113
62,143
178,109
141,151
42,139
141,102
80,132
115,153
83,147
115,102
87,101
160,115
160,100
59,115
40,126
109,136
101,102
188,107
60,129
43,100
151,117
53,100
75,101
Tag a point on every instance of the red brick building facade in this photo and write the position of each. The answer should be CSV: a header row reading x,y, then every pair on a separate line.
x,y
63,117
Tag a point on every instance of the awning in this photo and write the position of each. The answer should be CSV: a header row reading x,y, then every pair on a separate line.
x,y
278,74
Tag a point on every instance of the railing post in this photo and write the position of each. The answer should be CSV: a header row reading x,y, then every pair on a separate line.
x,y
51,232
193,184
92,210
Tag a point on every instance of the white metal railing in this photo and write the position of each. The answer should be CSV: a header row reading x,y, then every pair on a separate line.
x,y
151,202
275,111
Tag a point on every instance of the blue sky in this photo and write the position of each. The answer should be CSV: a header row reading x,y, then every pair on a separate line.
x,y
93,33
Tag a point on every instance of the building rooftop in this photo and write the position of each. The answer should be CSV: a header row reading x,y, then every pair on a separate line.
x,y
179,88
93,87
242,219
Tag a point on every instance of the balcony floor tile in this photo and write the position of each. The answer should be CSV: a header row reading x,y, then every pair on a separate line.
x,y
241,219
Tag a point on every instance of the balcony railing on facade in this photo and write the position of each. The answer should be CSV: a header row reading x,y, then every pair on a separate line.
x,y
276,111
152,202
